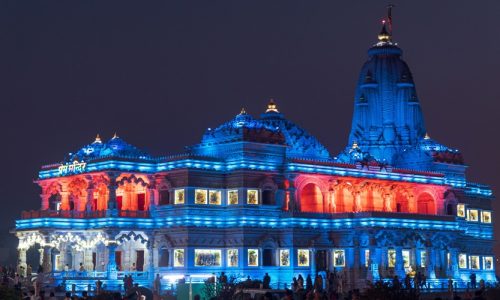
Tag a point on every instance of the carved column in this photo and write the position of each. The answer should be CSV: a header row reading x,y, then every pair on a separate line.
x,y
399,267
45,201
64,200
112,272
22,262
412,206
90,199
312,260
357,201
112,205
388,199
333,203
47,259
430,263
88,263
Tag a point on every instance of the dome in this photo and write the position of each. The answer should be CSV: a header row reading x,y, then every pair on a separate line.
x,y
271,128
301,144
243,127
115,147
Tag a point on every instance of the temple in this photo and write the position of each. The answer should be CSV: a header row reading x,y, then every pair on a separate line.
x,y
262,195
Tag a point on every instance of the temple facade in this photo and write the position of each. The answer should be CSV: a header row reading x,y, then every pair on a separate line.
x,y
262,195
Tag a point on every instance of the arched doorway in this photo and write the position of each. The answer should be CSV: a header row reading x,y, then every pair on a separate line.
x,y
311,198
425,204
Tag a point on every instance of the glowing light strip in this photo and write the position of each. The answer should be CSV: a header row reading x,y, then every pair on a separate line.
x,y
253,221
268,166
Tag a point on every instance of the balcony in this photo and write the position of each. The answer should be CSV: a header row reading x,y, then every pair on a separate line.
x,y
34,214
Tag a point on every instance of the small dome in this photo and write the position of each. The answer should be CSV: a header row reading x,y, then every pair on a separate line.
x,y
115,147
242,127
301,143
271,128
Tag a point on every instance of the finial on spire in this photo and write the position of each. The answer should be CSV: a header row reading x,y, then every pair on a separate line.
x,y
385,34
427,136
115,136
98,139
271,106
243,111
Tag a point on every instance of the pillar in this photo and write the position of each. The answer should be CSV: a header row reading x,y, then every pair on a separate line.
x,y
90,198
333,203
112,205
112,272
64,200
22,262
312,261
356,266
374,264
47,259
399,268
151,265
45,201
87,260
431,263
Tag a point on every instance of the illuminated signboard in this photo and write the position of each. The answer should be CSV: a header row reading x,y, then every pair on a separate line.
x,y
72,168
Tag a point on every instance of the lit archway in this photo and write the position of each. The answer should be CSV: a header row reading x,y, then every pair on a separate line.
x,y
311,198
426,204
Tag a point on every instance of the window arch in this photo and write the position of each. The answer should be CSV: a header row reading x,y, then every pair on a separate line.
x,y
311,198
426,204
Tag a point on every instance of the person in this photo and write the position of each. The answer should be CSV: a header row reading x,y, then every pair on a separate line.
x,y
417,280
223,278
133,268
82,268
52,296
68,296
85,295
29,270
408,282
157,285
395,282
450,285
98,286
472,278
309,284
40,269
266,281
295,284
424,281
300,281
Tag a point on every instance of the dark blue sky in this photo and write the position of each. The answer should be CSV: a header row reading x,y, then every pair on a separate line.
x,y
160,72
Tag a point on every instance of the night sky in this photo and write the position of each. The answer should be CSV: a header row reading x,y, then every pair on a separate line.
x,y
160,72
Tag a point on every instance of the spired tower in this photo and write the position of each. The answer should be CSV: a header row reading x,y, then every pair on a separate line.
x,y
388,125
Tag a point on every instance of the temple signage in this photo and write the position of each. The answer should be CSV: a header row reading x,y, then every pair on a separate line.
x,y
72,168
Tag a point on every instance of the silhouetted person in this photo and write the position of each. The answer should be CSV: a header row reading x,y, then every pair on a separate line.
x,y
472,278
266,281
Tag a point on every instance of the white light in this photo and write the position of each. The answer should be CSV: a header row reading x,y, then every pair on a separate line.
x,y
173,278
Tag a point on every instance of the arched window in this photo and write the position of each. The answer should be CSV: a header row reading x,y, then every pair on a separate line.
x,y
163,257
425,204
55,202
450,209
311,198
268,197
164,197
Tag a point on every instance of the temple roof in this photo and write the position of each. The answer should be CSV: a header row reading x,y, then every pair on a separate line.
x,y
115,147
271,128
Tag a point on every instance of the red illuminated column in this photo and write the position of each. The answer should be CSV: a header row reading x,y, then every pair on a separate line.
x,y
356,194
333,204
412,205
45,201
388,199
65,200
90,198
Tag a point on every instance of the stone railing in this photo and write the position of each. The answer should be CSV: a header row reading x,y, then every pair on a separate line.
x,y
33,214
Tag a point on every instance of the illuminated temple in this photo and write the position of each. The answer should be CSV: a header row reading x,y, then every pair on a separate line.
x,y
262,195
